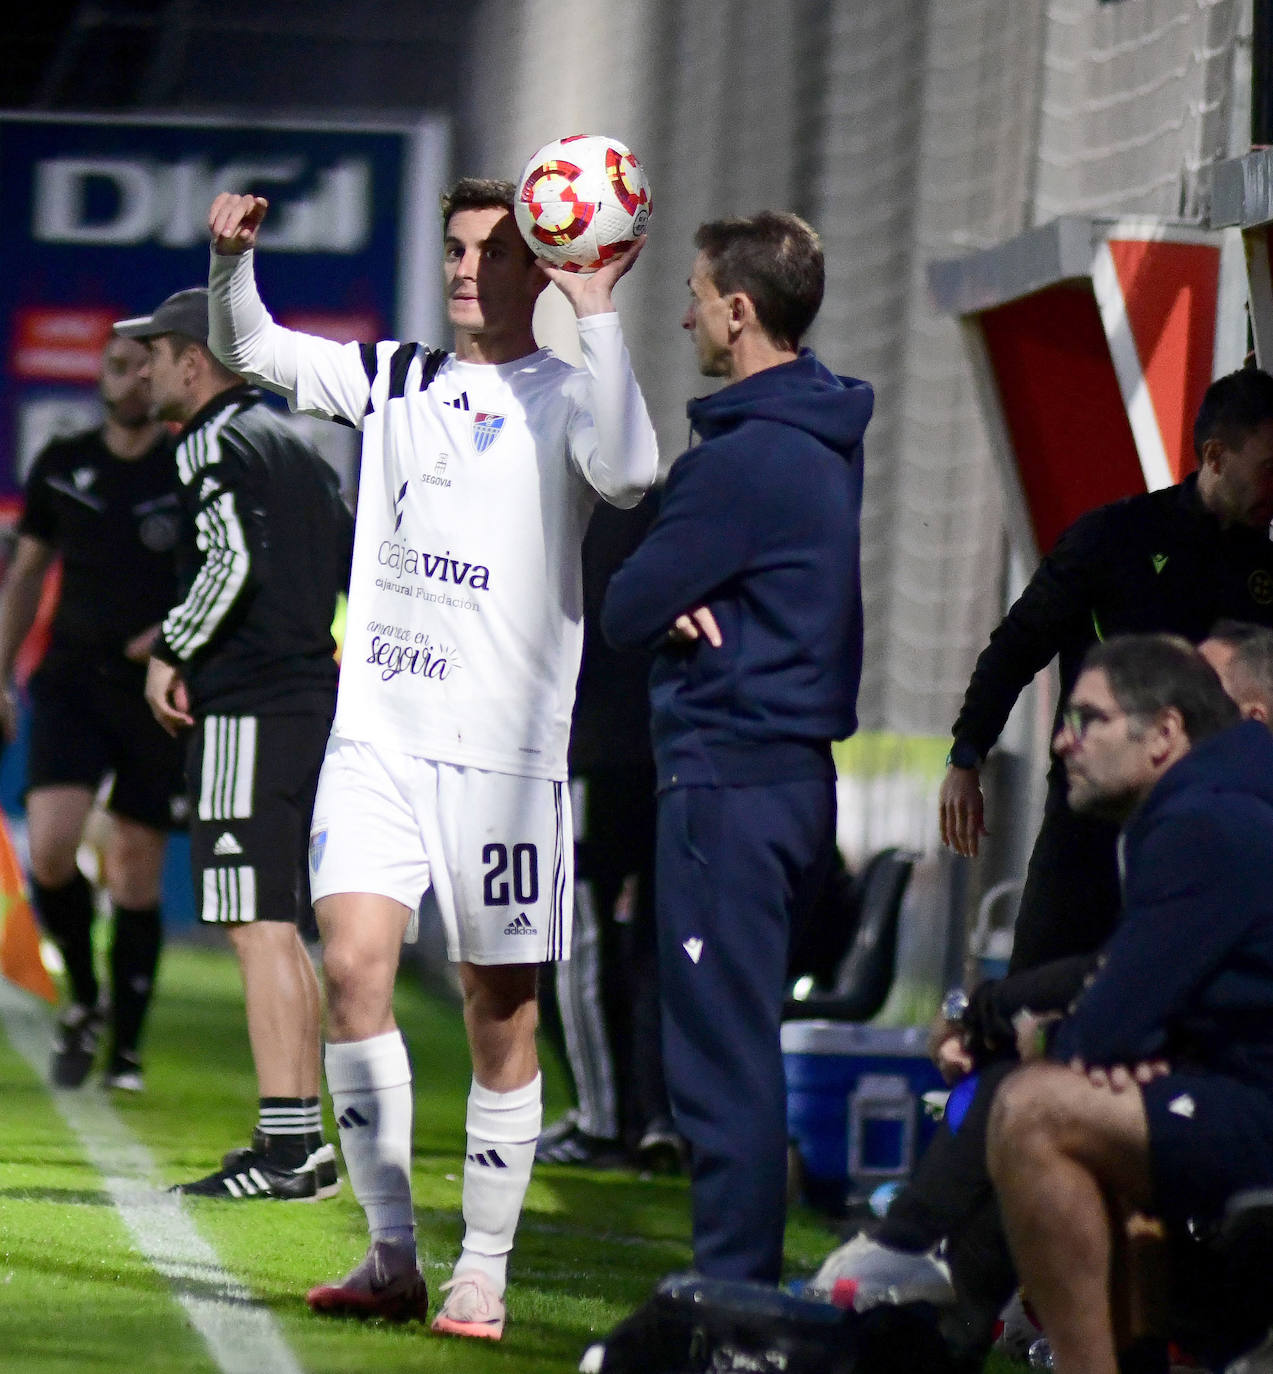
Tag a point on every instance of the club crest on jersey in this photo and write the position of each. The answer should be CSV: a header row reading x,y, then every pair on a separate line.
x,y
486,428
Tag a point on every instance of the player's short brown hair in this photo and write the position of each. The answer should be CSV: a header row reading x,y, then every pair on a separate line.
x,y
477,193
775,259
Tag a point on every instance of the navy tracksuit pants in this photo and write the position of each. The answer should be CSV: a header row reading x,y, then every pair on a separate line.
x,y
735,867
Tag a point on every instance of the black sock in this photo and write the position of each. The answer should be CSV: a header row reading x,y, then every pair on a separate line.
x,y
134,957
66,912
285,1122
313,1137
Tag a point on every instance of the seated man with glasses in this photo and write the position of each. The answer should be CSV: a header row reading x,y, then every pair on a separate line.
x,y
1154,1093
974,1253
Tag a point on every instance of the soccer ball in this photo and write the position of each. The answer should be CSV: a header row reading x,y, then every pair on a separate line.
x,y
581,201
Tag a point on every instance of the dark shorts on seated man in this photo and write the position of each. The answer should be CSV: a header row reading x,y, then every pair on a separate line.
x,y
1209,1138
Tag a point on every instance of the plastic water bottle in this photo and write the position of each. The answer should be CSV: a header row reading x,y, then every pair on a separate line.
x,y
882,1198
1040,1355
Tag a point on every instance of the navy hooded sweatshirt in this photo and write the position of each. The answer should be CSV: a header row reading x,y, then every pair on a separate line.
x,y
1188,973
760,523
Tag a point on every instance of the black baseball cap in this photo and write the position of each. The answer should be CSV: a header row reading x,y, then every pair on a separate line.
x,y
184,312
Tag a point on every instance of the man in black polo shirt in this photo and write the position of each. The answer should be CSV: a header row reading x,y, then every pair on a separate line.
x,y
1174,561
105,501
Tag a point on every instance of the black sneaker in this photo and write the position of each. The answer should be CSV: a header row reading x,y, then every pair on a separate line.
x,y
578,1147
247,1173
661,1150
566,1124
124,1074
78,1030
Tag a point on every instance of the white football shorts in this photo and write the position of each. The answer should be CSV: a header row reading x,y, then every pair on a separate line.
x,y
496,848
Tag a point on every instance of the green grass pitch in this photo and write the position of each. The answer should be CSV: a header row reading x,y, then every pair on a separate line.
x,y
76,1296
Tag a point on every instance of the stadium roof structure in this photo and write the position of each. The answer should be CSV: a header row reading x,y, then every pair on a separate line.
x,y
1091,342
1242,198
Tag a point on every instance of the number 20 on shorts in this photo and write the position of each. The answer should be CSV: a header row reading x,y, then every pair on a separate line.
x,y
521,876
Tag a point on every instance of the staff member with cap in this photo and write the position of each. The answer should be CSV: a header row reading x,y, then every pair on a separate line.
x,y
245,663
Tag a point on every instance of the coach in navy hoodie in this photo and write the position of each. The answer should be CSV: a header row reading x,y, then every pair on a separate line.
x,y
748,587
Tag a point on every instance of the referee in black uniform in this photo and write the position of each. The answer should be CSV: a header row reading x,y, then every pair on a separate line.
x,y
105,501
245,662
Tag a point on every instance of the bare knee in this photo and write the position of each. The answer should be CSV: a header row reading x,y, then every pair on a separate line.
x,y
1026,1115
358,977
362,940
344,970
134,862
263,944
53,864
500,993
54,847
500,1015
56,818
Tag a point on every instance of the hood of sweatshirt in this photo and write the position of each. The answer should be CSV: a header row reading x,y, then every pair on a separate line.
x,y
802,393
1236,761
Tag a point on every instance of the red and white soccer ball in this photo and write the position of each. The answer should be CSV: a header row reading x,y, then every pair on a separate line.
x,y
581,201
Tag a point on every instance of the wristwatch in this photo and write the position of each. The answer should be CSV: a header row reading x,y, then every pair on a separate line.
x,y
963,754
954,1004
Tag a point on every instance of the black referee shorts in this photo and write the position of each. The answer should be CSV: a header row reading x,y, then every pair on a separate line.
x,y
252,781
86,726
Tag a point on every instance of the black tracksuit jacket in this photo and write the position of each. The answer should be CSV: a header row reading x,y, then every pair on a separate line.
x,y
268,551
1156,562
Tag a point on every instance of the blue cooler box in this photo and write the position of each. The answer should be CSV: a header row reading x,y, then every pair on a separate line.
x,y
855,1104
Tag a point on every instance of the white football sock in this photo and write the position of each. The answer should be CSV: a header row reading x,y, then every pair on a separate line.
x,y
370,1085
502,1131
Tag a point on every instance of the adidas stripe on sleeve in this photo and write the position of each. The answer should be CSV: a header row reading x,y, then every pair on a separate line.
x,y
227,562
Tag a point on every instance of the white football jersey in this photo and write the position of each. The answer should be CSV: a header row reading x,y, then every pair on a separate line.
x,y
465,617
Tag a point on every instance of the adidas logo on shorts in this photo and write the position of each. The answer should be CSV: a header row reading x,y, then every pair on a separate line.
x,y
521,926
226,846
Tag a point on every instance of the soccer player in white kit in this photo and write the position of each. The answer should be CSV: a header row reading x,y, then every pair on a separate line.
x,y
447,758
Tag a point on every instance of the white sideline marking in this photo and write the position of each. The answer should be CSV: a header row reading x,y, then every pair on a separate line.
x,y
242,1336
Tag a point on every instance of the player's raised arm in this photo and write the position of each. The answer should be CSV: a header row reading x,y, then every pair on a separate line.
x,y
234,220
621,456
316,376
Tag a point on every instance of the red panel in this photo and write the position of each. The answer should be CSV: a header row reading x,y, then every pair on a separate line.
x,y
1169,292
59,343
1061,405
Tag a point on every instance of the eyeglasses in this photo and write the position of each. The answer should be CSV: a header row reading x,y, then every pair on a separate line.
x,y
1077,719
